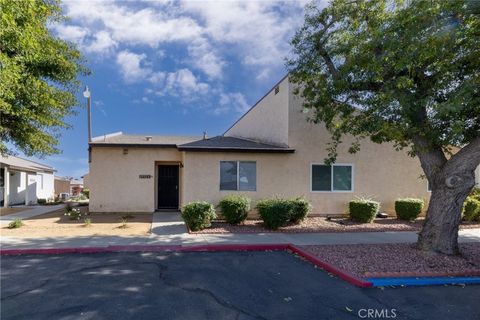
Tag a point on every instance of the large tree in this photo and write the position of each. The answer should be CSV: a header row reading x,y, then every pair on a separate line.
x,y
38,76
400,72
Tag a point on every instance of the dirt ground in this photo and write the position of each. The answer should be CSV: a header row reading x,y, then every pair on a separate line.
x,y
7,211
102,224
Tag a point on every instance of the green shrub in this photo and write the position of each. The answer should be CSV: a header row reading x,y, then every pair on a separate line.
x,y
471,209
86,193
17,223
198,215
235,208
408,208
41,201
124,222
73,213
87,221
363,210
275,213
300,209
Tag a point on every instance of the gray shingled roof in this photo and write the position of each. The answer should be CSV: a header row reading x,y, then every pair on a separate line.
x,y
119,139
222,143
24,164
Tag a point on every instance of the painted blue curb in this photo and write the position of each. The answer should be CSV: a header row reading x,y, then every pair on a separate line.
x,y
422,281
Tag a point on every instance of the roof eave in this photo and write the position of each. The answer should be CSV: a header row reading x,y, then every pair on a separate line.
x,y
133,145
229,149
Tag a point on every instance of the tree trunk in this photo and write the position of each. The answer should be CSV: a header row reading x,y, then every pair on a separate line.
x,y
440,229
451,181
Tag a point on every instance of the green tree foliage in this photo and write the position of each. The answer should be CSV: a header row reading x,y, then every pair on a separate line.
x,y
403,72
38,76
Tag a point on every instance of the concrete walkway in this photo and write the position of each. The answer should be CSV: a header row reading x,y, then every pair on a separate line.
x,y
169,229
37,211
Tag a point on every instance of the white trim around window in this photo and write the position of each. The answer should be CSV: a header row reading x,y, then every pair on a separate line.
x,y
331,178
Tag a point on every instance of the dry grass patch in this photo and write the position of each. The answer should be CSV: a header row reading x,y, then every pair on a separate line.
x,y
56,224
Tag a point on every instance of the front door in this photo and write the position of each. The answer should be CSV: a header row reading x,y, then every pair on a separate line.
x,y
168,187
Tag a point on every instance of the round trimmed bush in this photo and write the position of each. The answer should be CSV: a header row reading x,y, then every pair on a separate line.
x,y
471,210
235,208
198,215
408,208
363,210
275,213
300,209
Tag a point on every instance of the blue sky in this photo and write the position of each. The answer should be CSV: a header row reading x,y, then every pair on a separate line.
x,y
172,68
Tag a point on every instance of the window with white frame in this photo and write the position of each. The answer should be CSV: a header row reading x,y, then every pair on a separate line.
x,y
238,175
337,177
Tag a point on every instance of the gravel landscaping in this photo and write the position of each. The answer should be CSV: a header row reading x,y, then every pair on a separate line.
x,y
383,260
322,224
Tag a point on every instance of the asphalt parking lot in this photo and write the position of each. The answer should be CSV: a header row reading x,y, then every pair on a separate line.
x,y
207,285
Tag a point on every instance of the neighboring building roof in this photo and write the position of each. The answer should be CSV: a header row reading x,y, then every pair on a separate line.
x,y
76,181
24,164
120,139
222,143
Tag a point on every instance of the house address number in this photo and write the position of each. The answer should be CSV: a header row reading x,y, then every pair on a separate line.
x,y
145,176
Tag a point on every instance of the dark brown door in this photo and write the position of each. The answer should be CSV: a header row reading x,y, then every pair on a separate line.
x,y
168,187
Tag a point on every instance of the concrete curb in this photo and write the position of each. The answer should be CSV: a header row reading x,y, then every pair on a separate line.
x,y
330,268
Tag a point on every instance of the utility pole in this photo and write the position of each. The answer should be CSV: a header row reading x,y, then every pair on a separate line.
x,y
87,95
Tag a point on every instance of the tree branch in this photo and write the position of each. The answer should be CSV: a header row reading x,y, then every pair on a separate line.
x,y
468,158
432,160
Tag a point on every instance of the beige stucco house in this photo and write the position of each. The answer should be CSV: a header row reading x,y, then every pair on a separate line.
x,y
270,151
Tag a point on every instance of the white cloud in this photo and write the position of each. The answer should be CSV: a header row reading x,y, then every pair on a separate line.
x,y
131,66
260,30
205,58
70,33
103,43
147,100
232,101
257,31
149,26
183,83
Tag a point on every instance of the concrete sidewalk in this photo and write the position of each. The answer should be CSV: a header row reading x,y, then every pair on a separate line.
x,y
37,211
169,229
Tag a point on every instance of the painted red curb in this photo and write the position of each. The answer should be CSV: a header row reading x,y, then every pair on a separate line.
x,y
331,268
